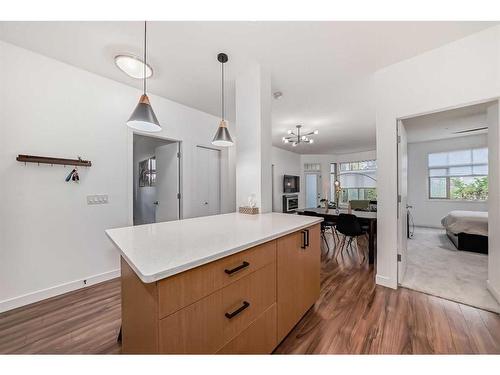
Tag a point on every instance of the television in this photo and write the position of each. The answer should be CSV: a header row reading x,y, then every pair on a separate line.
x,y
291,184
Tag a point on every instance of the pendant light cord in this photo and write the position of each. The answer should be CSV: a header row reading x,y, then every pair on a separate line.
x,y
145,62
222,91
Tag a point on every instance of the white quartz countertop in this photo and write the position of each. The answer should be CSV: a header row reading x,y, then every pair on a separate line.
x,y
157,251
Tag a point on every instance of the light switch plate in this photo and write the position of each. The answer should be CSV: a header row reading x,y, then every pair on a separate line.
x,y
97,199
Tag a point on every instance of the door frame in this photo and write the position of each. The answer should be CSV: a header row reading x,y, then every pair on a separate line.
x,y
400,229
318,186
220,170
130,170
437,110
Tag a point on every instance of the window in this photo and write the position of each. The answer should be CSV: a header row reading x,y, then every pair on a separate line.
x,y
357,181
459,175
310,167
147,172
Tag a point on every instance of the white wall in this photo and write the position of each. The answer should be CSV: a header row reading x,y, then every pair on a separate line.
x,y
285,162
463,72
429,212
50,239
325,161
253,134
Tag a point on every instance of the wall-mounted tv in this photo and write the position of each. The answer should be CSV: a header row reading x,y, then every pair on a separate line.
x,y
291,184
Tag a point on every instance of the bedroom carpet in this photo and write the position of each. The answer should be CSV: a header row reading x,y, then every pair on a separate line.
x,y
436,267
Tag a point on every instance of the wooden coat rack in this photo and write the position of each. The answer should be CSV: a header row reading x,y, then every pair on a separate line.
x,y
47,160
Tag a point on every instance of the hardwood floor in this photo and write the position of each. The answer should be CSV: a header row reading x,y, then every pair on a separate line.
x,y
352,316
85,321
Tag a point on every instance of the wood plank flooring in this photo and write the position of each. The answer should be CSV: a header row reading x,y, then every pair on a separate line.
x,y
84,321
352,316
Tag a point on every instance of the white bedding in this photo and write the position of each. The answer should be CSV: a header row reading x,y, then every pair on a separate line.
x,y
471,222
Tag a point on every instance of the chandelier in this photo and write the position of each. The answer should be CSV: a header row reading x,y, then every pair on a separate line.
x,y
296,137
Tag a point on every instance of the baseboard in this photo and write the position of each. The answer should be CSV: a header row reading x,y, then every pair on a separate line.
x,y
385,281
495,293
40,295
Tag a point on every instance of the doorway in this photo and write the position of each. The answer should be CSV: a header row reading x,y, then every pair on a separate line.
x,y
207,181
443,204
156,180
312,185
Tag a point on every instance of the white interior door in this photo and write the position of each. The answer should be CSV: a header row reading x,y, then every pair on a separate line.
x,y
167,182
207,181
312,189
402,200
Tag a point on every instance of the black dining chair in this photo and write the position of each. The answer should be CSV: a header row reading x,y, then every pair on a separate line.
x,y
330,223
324,226
349,226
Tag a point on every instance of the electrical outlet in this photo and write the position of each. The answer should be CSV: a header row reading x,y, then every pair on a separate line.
x,y
97,199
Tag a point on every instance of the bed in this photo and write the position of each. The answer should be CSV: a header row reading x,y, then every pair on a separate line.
x,y
468,230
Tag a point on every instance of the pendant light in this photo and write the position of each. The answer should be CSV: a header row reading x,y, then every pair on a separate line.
x,y
143,118
222,137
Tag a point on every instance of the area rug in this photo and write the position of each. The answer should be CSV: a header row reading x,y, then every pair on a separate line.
x,y
436,267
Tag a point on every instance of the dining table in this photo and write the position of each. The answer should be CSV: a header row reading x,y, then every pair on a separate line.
x,y
368,218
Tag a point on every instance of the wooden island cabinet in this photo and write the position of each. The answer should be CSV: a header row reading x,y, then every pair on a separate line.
x,y
298,282
244,303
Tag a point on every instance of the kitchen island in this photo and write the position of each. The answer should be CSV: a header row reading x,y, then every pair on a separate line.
x,y
229,283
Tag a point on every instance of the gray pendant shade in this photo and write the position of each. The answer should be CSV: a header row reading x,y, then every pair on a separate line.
x,y
222,136
143,118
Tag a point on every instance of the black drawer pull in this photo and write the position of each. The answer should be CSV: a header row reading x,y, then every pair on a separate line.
x,y
236,269
304,243
236,312
307,237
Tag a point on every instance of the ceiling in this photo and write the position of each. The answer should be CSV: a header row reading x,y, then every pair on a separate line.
x,y
324,69
446,124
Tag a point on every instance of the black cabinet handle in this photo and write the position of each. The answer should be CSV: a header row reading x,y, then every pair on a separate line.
x,y
307,237
236,312
236,269
303,245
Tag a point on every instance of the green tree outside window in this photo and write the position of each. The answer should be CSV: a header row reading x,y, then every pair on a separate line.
x,y
476,189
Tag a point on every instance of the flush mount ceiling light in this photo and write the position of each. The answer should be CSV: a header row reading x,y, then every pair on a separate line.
x,y
298,137
222,137
143,118
133,66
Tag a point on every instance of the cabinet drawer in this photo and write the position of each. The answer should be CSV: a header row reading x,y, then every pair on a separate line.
x,y
258,338
203,326
183,289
